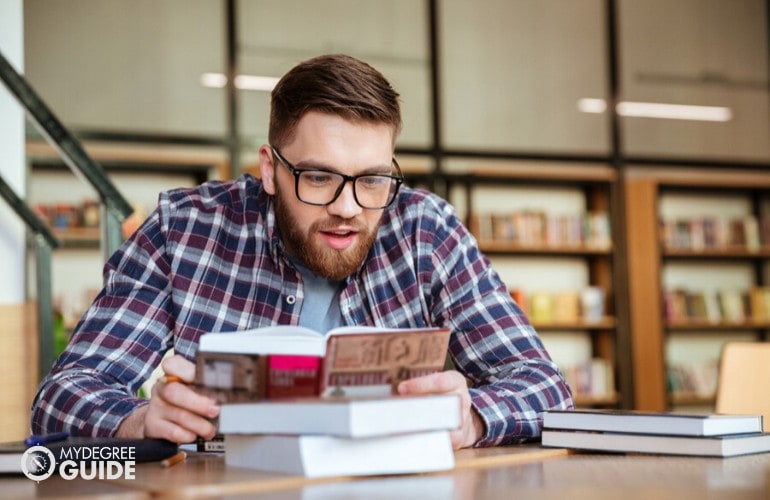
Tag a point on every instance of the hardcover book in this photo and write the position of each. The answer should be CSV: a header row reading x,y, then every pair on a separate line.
x,y
353,418
292,361
637,422
728,445
324,456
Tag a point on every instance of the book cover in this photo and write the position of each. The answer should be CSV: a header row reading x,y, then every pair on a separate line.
x,y
732,304
346,417
710,446
541,307
325,456
566,307
638,422
374,363
291,361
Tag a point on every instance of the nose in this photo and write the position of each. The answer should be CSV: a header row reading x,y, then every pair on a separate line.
x,y
345,205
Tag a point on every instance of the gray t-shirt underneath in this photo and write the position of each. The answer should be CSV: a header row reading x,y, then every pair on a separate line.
x,y
321,305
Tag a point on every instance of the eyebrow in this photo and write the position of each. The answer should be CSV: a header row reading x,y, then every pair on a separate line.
x,y
315,165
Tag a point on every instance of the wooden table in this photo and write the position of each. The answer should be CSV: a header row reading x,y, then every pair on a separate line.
x,y
525,471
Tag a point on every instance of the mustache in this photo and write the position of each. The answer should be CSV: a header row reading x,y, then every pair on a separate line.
x,y
335,222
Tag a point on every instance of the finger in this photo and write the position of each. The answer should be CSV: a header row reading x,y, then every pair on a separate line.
x,y
177,425
435,383
183,396
165,429
178,366
175,422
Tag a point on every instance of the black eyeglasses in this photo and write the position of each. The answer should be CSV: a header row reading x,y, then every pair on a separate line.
x,y
323,187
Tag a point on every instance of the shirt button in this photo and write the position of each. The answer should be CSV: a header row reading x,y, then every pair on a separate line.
x,y
291,299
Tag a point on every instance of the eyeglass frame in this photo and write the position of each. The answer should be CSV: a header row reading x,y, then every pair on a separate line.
x,y
296,172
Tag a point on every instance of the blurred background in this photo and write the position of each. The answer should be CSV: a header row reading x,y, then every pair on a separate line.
x,y
535,118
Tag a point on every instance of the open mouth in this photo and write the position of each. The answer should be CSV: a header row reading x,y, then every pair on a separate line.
x,y
339,238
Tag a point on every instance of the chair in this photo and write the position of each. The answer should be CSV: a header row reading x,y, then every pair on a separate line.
x,y
744,379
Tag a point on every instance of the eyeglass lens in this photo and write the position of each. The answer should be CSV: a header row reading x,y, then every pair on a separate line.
x,y
321,187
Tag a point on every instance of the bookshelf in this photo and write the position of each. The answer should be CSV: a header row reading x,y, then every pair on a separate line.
x,y
681,290
139,172
534,222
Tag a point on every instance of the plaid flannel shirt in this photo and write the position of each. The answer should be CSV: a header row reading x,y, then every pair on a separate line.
x,y
210,259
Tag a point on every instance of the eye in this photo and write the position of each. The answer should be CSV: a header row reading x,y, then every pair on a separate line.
x,y
318,177
374,181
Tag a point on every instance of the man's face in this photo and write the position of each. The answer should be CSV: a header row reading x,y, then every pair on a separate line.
x,y
332,240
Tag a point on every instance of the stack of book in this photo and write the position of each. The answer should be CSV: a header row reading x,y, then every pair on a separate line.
x,y
318,437
666,433
300,402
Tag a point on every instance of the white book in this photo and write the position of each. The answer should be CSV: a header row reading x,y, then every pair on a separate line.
x,y
711,446
324,456
638,422
346,417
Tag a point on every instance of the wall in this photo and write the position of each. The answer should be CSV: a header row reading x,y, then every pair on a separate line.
x,y
12,166
17,329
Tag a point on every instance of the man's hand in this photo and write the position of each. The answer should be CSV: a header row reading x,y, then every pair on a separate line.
x,y
471,426
175,411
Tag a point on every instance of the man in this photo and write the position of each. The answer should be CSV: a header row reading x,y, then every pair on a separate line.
x,y
326,238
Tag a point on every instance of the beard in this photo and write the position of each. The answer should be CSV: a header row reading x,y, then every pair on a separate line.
x,y
329,263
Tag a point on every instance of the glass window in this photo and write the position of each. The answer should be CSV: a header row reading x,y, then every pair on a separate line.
x,y
514,71
113,65
391,36
708,53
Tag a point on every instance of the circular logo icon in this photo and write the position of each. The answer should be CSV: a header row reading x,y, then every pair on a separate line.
x,y
38,463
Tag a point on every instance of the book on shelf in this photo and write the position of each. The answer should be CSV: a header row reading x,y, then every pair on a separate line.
x,y
541,307
324,456
759,297
733,305
714,306
639,422
693,380
727,445
566,307
344,417
591,379
292,361
715,233
536,228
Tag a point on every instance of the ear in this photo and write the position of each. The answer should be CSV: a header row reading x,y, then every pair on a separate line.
x,y
267,169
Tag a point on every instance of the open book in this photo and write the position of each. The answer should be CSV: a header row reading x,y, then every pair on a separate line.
x,y
292,361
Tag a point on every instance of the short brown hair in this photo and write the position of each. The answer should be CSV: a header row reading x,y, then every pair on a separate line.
x,y
336,84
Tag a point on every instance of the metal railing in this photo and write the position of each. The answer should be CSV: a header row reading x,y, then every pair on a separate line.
x,y
114,207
